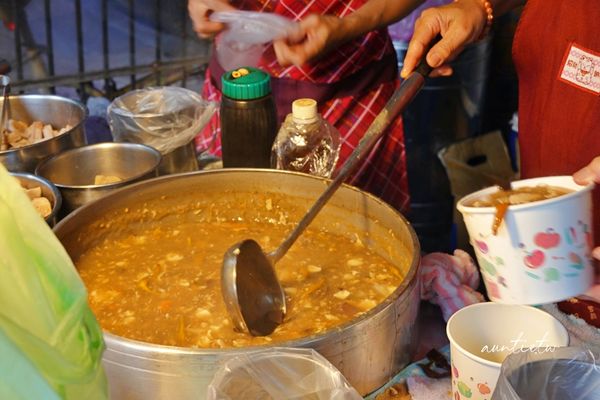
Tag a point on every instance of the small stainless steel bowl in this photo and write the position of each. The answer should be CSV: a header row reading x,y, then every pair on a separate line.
x,y
49,191
54,110
74,171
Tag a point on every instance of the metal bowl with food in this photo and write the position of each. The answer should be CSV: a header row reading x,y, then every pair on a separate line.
x,y
350,280
89,172
43,194
41,126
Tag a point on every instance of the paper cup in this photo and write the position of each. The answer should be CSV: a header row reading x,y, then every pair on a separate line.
x,y
542,250
482,335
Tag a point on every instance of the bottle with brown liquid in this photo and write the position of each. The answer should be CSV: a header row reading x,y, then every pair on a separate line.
x,y
248,118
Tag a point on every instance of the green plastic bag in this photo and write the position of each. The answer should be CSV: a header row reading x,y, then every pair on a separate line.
x,y
50,342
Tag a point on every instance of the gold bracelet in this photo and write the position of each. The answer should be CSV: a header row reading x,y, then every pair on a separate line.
x,y
489,11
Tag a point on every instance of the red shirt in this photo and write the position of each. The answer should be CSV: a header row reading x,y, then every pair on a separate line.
x,y
559,121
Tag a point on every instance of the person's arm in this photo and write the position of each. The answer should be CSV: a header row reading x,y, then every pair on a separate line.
x,y
459,23
320,33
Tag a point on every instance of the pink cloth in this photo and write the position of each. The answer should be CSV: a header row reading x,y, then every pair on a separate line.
x,y
450,281
424,388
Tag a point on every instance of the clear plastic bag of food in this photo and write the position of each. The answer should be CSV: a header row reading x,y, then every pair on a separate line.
x,y
549,374
247,34
163,117
50,342
280,373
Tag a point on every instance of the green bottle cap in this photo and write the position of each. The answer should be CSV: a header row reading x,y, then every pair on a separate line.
x,y
246,83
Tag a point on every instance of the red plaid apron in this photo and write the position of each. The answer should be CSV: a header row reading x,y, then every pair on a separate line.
x,y
352,85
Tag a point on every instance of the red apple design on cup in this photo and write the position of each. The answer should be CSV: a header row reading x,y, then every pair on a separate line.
x,y
547,240
483,388
482,246
535,259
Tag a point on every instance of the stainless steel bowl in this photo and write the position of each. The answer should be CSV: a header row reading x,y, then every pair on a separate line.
x,y
73,171
368,350
49,191
55,110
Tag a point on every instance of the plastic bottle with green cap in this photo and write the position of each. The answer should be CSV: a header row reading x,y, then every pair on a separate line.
x,y
306,142
248,118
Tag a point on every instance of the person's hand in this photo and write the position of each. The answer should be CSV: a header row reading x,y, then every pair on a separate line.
x,y
591,174
459,24
317,35
200,11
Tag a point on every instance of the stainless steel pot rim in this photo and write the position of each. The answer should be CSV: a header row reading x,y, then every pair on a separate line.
x,y
81,106
45,182
124,182
409,280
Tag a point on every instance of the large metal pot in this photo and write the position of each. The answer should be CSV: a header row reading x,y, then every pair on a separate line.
x,y
54,110
369,350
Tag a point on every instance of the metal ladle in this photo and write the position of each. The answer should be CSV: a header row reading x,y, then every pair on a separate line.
x,y
254,297
5,83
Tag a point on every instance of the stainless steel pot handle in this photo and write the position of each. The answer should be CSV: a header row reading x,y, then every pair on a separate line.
x,y
5,83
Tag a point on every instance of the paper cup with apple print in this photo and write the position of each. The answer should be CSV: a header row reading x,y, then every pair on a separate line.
x,y
482,335
541,252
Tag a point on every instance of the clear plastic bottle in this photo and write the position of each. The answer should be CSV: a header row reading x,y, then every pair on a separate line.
x,y
306,142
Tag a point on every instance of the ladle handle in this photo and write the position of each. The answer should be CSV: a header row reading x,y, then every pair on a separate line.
x,y
395,105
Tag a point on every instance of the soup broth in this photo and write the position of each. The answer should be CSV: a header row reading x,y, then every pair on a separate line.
x,y
154,276
522,195
502,199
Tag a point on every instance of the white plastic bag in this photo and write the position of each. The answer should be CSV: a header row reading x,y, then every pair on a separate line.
x,y
280,373
247,34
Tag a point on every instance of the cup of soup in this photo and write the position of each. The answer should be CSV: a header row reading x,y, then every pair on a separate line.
x,y
533,243
482,335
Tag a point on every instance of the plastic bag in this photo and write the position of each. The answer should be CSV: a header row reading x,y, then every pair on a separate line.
x,y
247,34
50,342
163,117
556,374
280,373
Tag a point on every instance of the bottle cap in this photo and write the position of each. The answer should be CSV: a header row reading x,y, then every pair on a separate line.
x,y
246,83
304,111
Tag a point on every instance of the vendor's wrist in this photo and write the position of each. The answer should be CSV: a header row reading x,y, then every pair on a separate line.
x,y
353,26
486,9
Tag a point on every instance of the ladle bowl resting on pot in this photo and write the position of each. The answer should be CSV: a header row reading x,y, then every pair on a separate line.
x,y
369,349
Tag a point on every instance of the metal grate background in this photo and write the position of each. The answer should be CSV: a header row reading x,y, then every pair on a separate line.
x,y
98,47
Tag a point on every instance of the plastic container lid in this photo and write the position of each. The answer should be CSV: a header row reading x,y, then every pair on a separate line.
x,y
304,111
246,83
